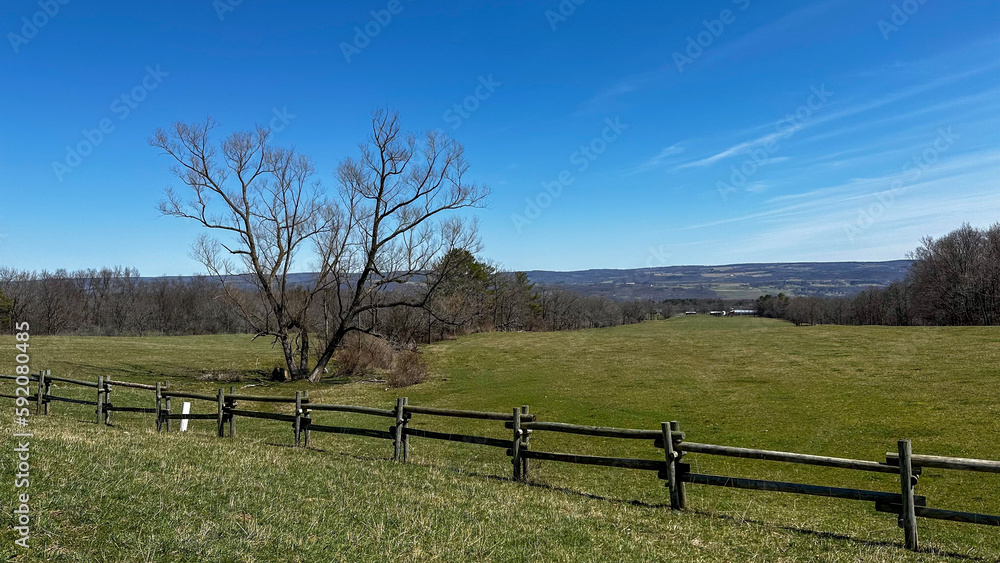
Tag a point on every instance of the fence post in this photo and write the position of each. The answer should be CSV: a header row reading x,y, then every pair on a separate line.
x,y
222,405
100,399
681,491
231,403
297,425
48,386
159,408
516,445
397,443
41,391
668,451
908,518
308,415
166,401
525,445
107,404
406,437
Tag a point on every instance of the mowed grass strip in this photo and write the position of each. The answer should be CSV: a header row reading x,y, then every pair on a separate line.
x,y
842,391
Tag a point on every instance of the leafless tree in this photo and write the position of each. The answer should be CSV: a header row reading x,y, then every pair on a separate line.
x,y
262,203
18,288
58,302
947,277
395,221
388,223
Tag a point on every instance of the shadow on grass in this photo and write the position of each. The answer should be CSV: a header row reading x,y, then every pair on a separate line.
x,y
834,536
503,478
724,517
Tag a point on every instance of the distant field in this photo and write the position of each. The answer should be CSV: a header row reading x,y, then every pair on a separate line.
x,y
733,281
845,391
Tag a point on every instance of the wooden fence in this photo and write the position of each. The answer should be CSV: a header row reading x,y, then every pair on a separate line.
x,y
520,424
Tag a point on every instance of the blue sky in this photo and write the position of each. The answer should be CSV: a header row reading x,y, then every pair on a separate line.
x,y
614,135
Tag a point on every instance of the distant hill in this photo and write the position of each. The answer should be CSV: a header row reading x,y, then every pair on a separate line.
x,y
734,281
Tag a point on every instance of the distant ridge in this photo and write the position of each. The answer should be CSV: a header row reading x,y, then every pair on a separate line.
x,y
731,281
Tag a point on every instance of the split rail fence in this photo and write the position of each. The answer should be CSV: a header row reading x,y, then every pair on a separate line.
x,y
520,424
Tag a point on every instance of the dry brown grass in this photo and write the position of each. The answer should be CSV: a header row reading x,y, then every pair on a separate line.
x,y
362,355
409,368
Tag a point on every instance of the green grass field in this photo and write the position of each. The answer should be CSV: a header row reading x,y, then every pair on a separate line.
x,y
125,493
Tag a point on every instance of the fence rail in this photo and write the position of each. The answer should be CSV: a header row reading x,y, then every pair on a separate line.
x,y
769,455
520,425
627,433
799,488
131,385
628,463
71,381
458,413
390,413
259,398
189,416
940,462
182,395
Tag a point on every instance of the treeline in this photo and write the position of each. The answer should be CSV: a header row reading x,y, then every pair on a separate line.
x,y
475,296
113,301
954,280
471,297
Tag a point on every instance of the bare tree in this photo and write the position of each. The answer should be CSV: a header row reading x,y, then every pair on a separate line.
x,y
395,218
955,278
263,203
58,302
386,227
18,289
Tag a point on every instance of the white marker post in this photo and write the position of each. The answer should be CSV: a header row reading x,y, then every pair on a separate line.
x,y
185,409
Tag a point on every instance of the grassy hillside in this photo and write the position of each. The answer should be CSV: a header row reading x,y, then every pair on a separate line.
x,y
845,391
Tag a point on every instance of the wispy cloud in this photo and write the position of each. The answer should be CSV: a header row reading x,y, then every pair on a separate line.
x,y
774,136
658,159
814,225
973,172
741,148
624,86
778,28
970,103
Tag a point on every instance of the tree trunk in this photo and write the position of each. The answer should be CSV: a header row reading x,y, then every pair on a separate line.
x,y
326,356
304,353
286,348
